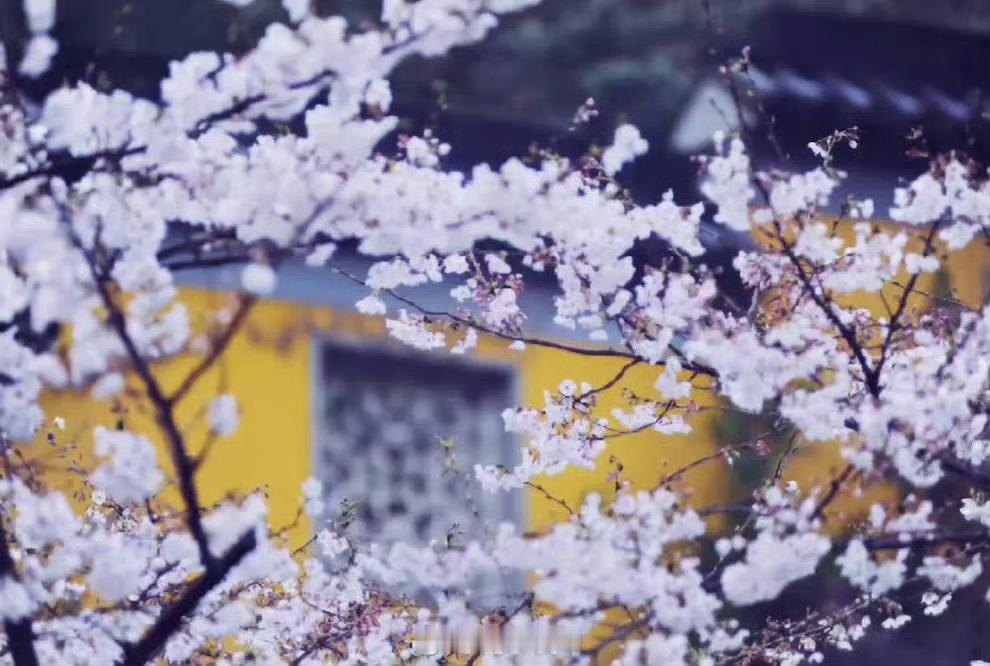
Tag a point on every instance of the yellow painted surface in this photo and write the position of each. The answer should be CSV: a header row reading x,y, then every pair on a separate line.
x,y
969,274
965,279
645,458
269,366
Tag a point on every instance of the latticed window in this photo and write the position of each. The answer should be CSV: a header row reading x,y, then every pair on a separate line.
x,y
399,433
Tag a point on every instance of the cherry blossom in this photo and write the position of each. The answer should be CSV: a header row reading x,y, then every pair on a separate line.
x,y
144,570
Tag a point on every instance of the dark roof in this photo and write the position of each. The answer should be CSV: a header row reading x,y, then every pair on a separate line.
x,y
818,73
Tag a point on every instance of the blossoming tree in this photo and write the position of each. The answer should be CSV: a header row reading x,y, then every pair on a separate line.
x,y
103,196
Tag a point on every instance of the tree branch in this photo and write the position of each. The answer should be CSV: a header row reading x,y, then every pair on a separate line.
x,y
536,342
20,635
185,467
901,541
220,345
833,491
974,475
849,335
171,619
902,304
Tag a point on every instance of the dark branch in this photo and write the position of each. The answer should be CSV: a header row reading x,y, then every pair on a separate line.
x,y
894,325
901,541
833,491
67,167
185,466
512,337
20,636
219,346
824,304
171,619
974,475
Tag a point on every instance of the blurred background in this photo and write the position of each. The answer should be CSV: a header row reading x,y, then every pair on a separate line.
x,y
392,433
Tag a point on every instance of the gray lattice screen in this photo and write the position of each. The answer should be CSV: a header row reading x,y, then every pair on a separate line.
x,y
381,415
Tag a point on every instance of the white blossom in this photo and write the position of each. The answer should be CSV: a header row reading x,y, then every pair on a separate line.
x,y
224,415
38,55
371,305
40,15
15,602
728,183
131,474
770,565
258,279
297,9
903,393
414,332
627,145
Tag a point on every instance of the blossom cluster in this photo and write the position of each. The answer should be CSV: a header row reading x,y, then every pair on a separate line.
x,y
105,197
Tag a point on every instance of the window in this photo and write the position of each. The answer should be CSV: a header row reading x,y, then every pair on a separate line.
x,y
381,417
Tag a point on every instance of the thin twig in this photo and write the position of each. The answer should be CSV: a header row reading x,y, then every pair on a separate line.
x,y
902,305
543,491
171,619
833,491
219,347
538,342
185,466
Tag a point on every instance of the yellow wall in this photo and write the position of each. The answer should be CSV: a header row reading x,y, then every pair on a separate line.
x,y
964,280
268,367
